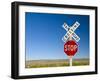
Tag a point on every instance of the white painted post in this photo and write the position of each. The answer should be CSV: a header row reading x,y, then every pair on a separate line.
x,y
70,61
70,57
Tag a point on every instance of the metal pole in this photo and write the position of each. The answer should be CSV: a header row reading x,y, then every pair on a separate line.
x,y
70,57
70,60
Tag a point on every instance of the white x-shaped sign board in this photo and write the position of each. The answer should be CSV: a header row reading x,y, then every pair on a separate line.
x,y
70,31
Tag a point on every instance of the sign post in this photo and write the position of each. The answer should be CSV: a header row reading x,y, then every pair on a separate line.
x,y
70,57
70,46
70,60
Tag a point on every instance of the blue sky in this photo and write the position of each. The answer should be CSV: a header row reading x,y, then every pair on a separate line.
x,y
44,32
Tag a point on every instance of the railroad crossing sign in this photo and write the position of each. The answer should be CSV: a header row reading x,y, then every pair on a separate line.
x,y
70,46
70,31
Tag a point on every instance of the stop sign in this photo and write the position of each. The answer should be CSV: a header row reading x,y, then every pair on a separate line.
x,y
70,47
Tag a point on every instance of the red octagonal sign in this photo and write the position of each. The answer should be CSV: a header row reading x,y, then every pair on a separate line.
x,y
70,47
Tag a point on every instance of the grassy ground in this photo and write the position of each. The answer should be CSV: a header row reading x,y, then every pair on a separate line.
x,y
55,63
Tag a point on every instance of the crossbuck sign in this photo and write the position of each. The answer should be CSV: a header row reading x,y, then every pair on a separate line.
x,y
70,31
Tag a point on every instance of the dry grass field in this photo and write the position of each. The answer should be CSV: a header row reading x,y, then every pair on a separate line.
x,y
55,63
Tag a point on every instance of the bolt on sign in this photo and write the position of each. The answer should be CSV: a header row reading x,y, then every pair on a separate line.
x,y
71,46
